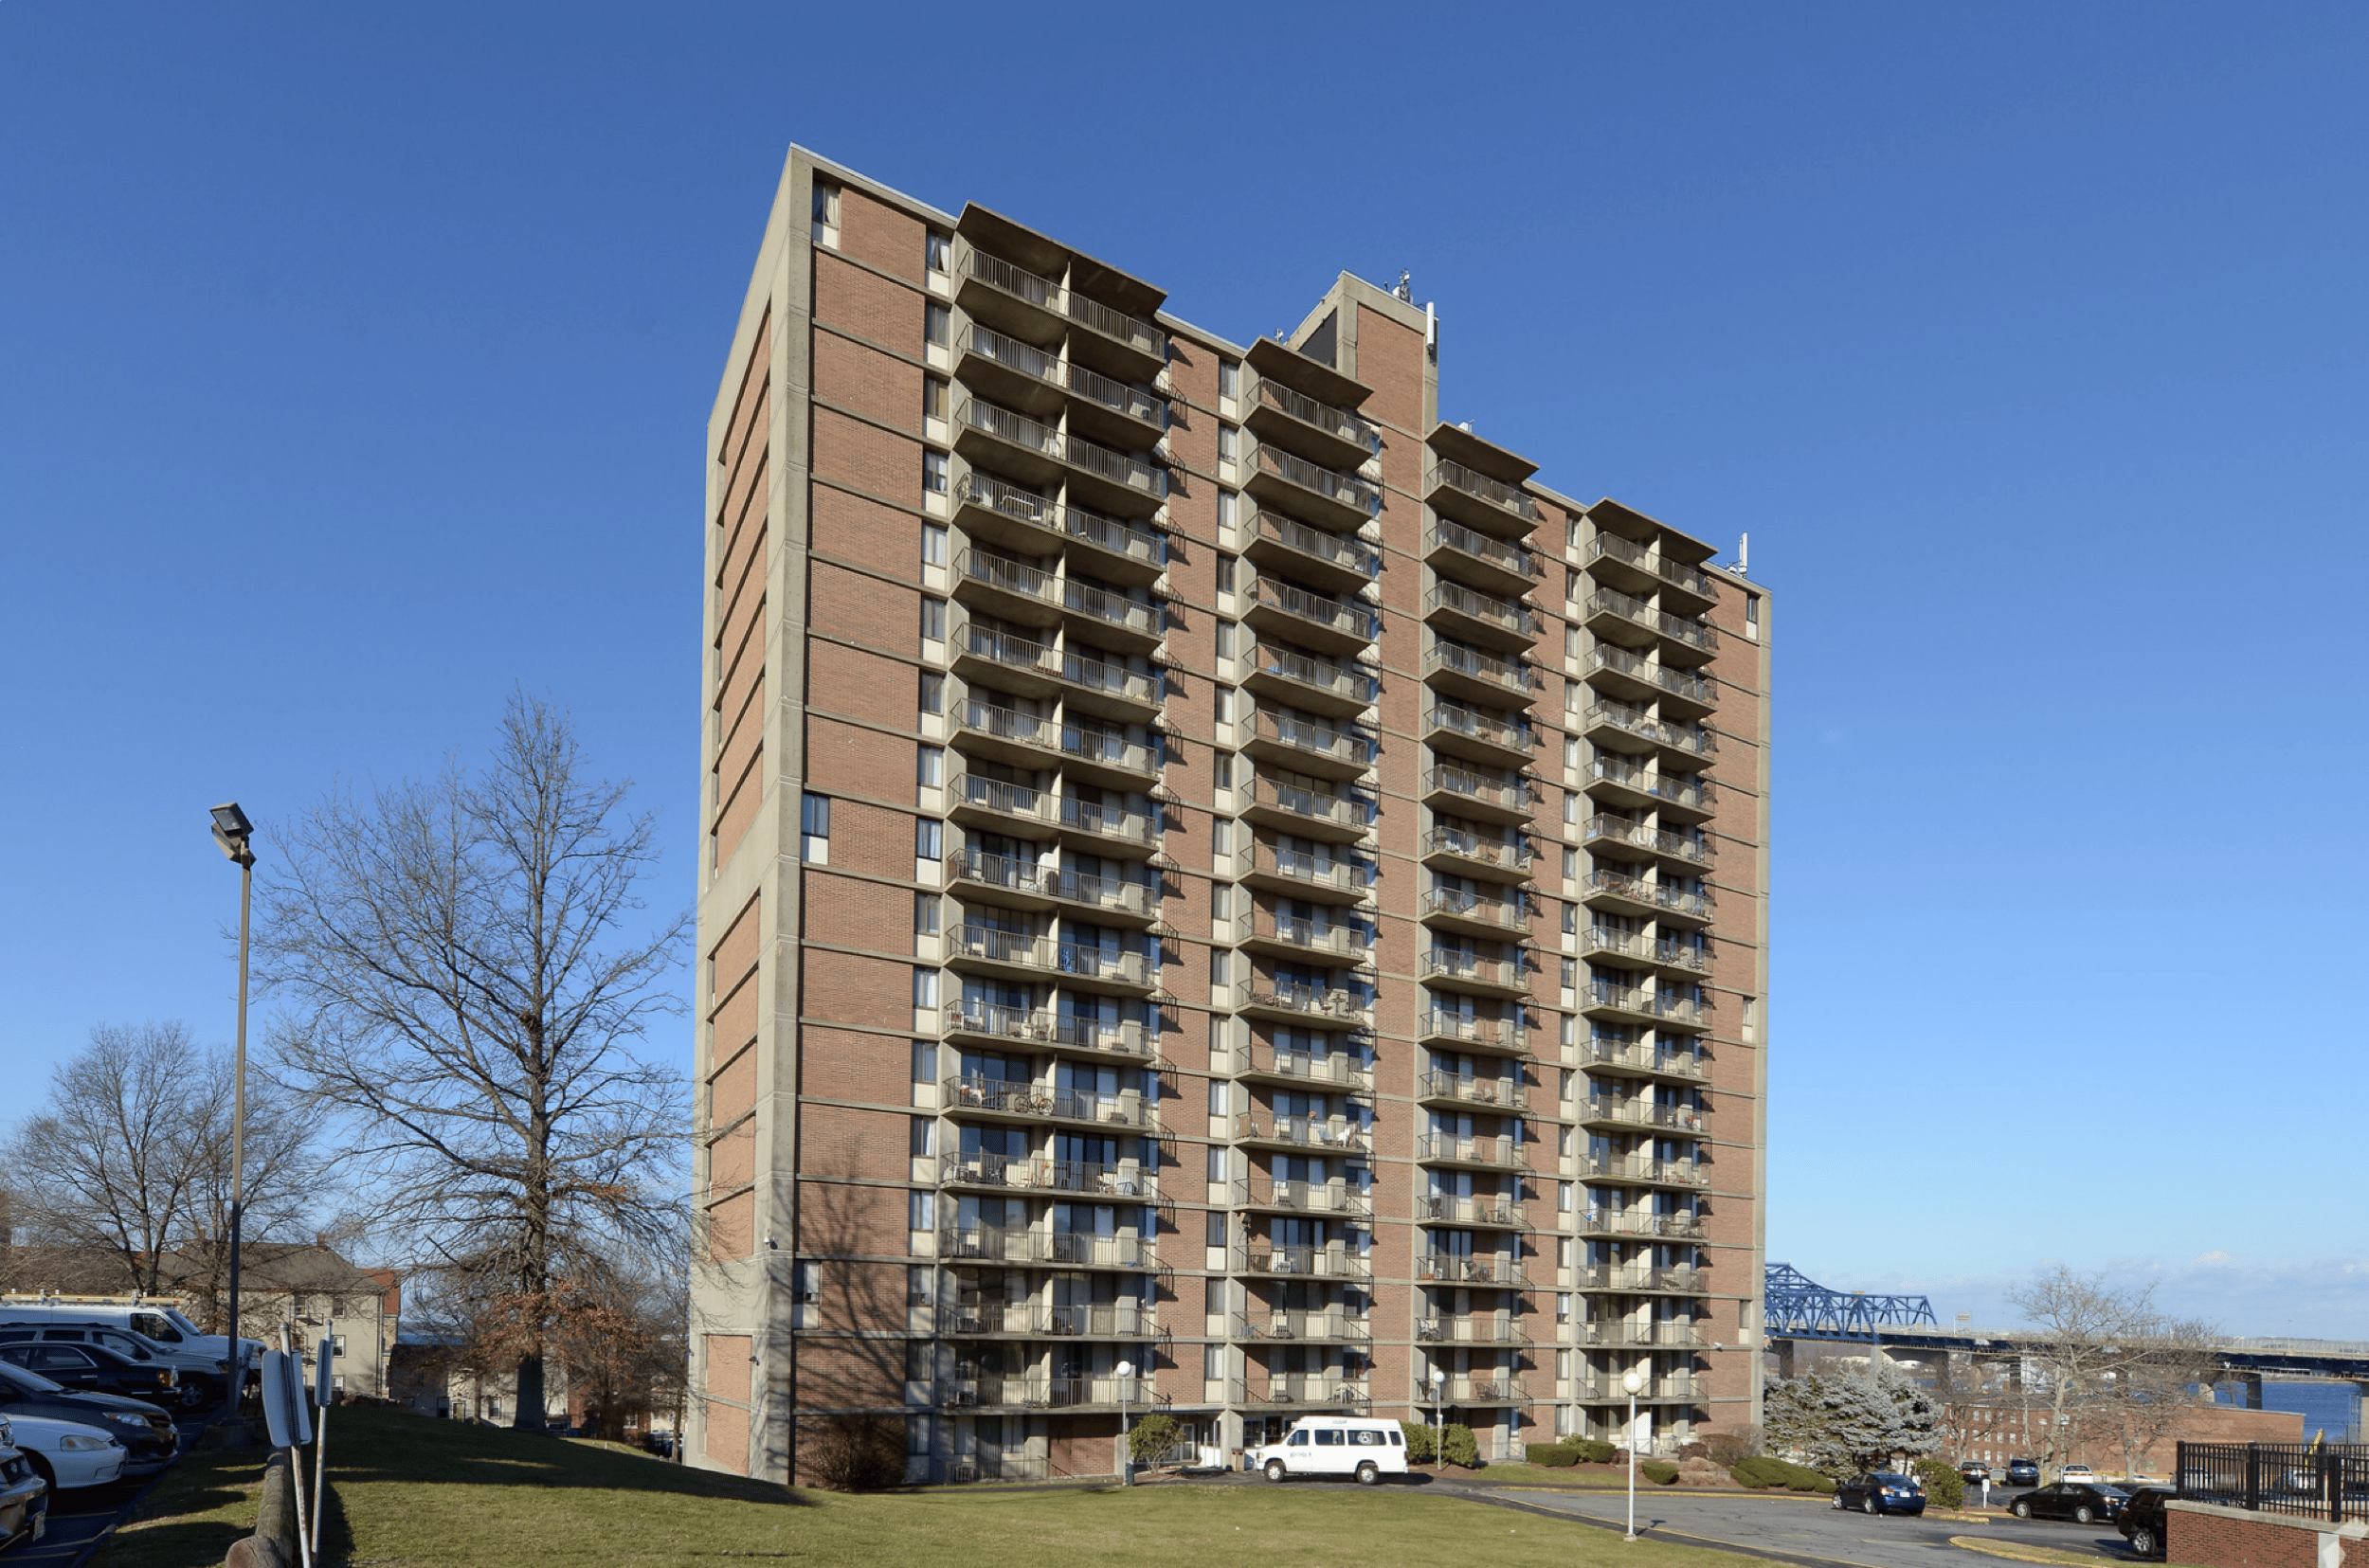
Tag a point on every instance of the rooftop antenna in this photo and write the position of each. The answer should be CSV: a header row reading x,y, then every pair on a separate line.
x,y
1744,555
1406,287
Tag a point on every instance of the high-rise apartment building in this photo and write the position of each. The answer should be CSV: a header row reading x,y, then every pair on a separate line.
x,y
1223,894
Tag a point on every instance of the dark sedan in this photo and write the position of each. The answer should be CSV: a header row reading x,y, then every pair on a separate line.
x,y
2081,1502
96,1369
2023,1472
145,1431
2140,1520
1882,1492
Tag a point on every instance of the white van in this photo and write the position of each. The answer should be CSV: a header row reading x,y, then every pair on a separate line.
x,y
161,1322
1335,1445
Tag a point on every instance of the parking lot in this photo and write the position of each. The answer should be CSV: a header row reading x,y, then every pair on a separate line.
x,y
1813,1531
78,1518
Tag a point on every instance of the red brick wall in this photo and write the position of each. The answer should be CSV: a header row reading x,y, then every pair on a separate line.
x,y
2215,1540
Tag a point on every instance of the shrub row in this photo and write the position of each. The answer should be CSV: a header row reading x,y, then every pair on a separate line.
x,y
1657,1472
1423,1444
1762,1472
1573,1451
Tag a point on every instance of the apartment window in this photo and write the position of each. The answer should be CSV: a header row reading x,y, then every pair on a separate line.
x,y
1751,1019
919,1290
1217,1096
1568,1079
933,692
933,542
1220,967
928,766
1225,574
1563,1246
1562,1196
1570,642
1752,615
1222,772
1563,1363
933,472
929,838
925,1063
1571,864
1217,1162
924,1141
1573,583
806,1281
1227,504
1222,902
938,324
1562,1306
825,230
814,829
1570,974
1213,1362
939,253
921,1209
926,913
1570,918
1571,806
1222,835
1225,639
932,620
1229,444
1225,705
1213,1295
933,398
925,987
1216,1227
1229,378
336,1344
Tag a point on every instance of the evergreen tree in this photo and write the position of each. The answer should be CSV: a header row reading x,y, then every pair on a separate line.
x,y
1845,1426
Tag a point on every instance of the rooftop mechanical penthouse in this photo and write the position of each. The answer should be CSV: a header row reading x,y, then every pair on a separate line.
x,y
1223,894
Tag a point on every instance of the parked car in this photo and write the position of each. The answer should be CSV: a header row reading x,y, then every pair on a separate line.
x,y
2075,1472
1882,1492
1974,1473
70,1455
203,1378
2083,1501
94,1369
155,1321
1335,1445
145,1431
2141,1521
2023,1472
24,1495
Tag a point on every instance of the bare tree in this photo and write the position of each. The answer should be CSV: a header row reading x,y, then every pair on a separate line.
x,y
123,1176
2168,1373
461,981
2090,1332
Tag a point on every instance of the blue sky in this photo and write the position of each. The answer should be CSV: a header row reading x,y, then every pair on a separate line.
x,y
354,364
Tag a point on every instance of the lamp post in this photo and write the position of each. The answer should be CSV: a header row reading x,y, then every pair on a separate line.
x,y
1127,1464
1634,1380
231,832
1439,1417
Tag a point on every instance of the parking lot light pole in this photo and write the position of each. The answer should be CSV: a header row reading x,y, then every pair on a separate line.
x,y
1439,1417
1127,1460
1634,1380
232,831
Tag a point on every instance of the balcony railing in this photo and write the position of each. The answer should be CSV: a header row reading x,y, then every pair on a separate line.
x,y
1307,1388
1119,1037
1488,1329
1644,999
1639,1222
1306,1131
1036,1173
1116,610
1684,789
1349,681
1502,1034
1342,810
1613,1276
1012,652
1504,791
1678,1173
1287,1325
998,1465
1643,1334
1677,1386
1468,1211
1678,628
1097,745
1675,899
1511,914
1484,487
1333,485
1315,1002
1503,613
1684,683
1106,822
1332,938
1000,871
1480,666
1344,1069
1015,1245
1117,325
1103,893
1605,1107
1453,964
1120,1320
1027,1392
1610,827
1335,1196
1481,725
1022,358
1130,1110
1016,577
1467,1090
1476,1268
1335,1262
999,945
1122,397
1017,282
1497,552
1010,500
1649,1058
1324,416
1008,800
1102,674
1342,873
1483,1390
1444,1149
1092,961
1106,462
1506,854
1324,740
1342,549
1341,615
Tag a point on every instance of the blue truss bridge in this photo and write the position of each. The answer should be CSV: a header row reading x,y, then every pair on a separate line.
x,y
1798,1305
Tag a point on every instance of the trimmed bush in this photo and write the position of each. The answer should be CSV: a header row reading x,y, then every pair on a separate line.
x,y
1421,1447
1943,1487
1151,1436
1761,1471
1594,1450
1553,1456
1657,1472
1457,1447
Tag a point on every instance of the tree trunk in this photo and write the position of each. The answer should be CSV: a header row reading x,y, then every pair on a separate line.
x,y
528,1414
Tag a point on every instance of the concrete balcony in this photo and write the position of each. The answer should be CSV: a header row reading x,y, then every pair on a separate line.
x,y
1621,1279
1622,728
1482,1390
1494,1270
1506,798
1098,756
1121,342
1007,296
1604,889
1310,490
1467,672
1007,734
1454,729
1043,1029
1616,617
995,510
1309,619
1093,966
1337,690
1044,1249
1112,409
1689,851
1336,1134
1453,1089
1009,589
1489,1213
999,806
1453,909
992,950
1627,1222
1298,874
1461,971
1110,687
1485,619
1034,1173
1648,1061
1336,1261
1606,1110
1637,1170
1135,624
1321,1198
1030,1392
1296,938
1631,677
1285,1326
1471,1328
1505,1036
1477,500
1107,830
1500,1153
1295,421
1344,1071
1676,1390
1627,564
1003,1100
1338,562
1494,565
1624,780
1641,1004
1303,1391
1494,857
1664,1336
1036,1321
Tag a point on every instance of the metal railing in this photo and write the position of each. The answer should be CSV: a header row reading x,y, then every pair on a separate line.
x,y
1637,889
1012,576
1341,873
1649,1058
1135,615
1443,1210
1613,1276
1000,1245
1304,1131
1039,1026
1343,810
1342,549
1505,791
1091,1321
998,1465
1026,358
1480,724
1439,1147
999,945
1005,648
1342,680
1038,1173
1000,871
1497,552
1306,1388
1517,617
1443,655
1506,854
1105,821
1112,323
1343,1069
1473,1091
1102,674
1029,1392
1286,727
1103,893
1480,486
1135,402
1006,499
1097,745
1488,1329
1642,1334
1005,1095
1334,1196
1472,1269
1454,964
1639,1222
2324,1480
1510,913
1092,961
1684,789
1288,1325
1342,615
1336,1261
1308,410
1642,1113
1691,738
1344,489
1008,800
1017,282
1676,1173
1333,938
1502,1033
1010,425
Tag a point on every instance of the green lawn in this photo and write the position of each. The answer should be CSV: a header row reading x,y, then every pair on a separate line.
x,y
410,1492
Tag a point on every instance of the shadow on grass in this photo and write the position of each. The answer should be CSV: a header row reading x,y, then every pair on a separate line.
x,y
371,1446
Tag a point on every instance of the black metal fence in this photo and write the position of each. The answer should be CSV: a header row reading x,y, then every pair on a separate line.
x,y
2329,1481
